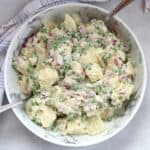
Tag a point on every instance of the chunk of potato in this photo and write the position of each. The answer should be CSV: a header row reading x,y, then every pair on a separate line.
x,y
94,125
94,72
69,23
47,77
40,113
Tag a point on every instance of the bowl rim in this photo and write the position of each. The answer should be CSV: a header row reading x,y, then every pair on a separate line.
x,y
21,119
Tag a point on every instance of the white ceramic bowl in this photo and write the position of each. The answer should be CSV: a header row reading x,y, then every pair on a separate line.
x,y
57,13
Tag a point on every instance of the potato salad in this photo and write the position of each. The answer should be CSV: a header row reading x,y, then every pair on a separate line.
x,y
78,73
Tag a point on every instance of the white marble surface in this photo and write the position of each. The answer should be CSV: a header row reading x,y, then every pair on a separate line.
x,y
136,136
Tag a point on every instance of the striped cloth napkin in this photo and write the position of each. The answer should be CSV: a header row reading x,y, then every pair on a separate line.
x,y
8,30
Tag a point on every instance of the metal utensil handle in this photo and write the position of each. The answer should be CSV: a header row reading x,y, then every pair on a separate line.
x,y
3,108
121,5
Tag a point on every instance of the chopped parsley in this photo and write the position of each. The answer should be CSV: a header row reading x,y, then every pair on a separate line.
x,y
19,77
89,66
109,119
118,70
34,103
103,43
70,33
44,30
85,48
61,26
105,56
30,109
62,99
53,127
30,69
74,48
98,89
71,117
64,68
57,41
93,100
102,89
76,86
77,36
33,77
37,121
43,39
36,87
50,102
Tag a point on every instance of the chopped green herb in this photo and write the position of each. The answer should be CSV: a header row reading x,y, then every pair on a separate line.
x,y
109,119
77,36
85,48
33,77
119,71
30,69
30,109
71,117
37,121
105,56
54,127
74,48
34,119
93,100
119,106
43,39
83,118
49,102
36,87
76,86
61,26
35,103
103,43
102,64
114,48
64,68
89,66
102,88
44,30
70,33
98,89
56,41
120,97
62,99
19,77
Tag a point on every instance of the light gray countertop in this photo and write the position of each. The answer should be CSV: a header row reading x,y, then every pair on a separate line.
x,y
136,136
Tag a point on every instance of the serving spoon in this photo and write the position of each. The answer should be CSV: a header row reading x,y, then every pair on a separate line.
x,y
119,7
